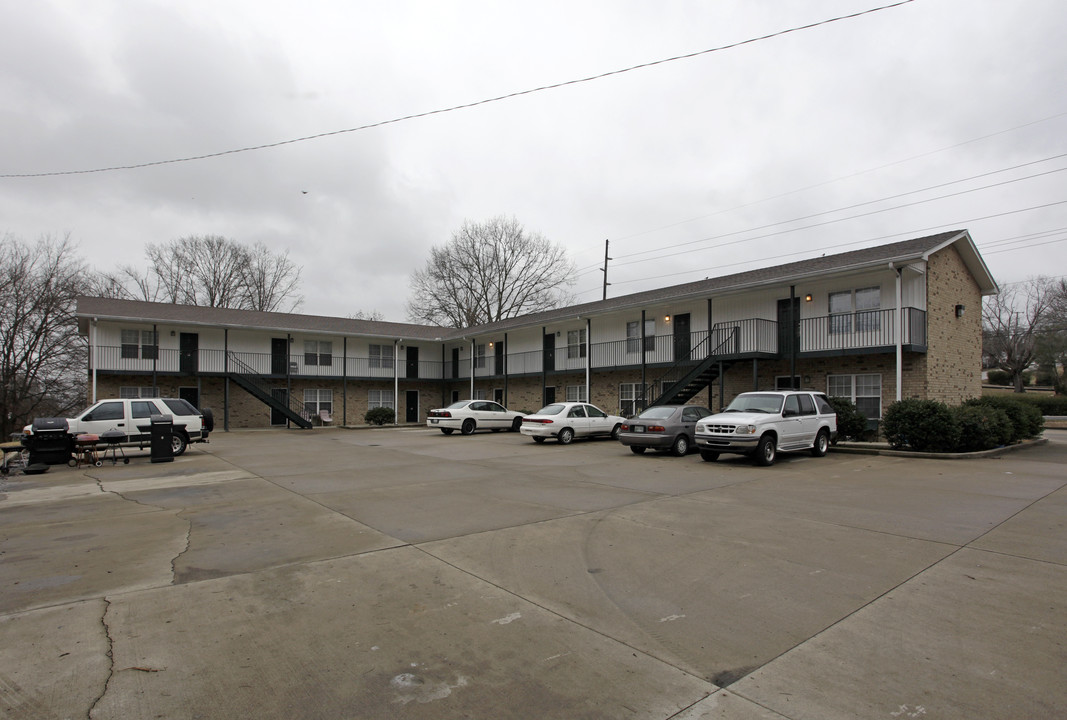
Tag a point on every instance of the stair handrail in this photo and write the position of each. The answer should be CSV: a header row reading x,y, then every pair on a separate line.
x,y
682,367
253,377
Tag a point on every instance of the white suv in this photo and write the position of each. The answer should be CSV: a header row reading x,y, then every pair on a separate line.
x,y
133,418
761,424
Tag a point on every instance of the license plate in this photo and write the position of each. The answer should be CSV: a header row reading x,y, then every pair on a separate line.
x,y
433,421
638,428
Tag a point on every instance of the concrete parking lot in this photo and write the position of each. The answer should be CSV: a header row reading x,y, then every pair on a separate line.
x,y
399,573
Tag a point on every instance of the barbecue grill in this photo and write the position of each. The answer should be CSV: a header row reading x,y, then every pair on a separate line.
x,y
49,443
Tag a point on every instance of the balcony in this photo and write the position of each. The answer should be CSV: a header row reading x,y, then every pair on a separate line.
x,y
845,334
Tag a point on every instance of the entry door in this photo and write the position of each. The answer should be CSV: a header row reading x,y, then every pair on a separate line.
x,y
191,395
411,406
682,342
549,352
282,396
550,395
188,353
498,395
279,356
498,356
787,340
412,367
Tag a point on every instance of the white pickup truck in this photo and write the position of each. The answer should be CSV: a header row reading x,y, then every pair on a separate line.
x,y
133,417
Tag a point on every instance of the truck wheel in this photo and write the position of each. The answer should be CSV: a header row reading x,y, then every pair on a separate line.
x,y
766,451
709,455
822,443
178,443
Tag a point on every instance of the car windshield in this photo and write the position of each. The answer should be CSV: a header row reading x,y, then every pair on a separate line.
x,y
458,405
657,413
555,409
757,403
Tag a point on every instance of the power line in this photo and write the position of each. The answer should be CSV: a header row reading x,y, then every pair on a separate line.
x,y
464,106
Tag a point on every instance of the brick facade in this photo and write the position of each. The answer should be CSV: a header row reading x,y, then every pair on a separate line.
x,y
954,355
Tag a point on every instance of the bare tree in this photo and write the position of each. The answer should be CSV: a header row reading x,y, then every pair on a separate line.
x,y
42,357
211,271
1013,321
490,271
367,315
270,281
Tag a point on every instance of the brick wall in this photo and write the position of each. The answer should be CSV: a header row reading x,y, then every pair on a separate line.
x,y
954,358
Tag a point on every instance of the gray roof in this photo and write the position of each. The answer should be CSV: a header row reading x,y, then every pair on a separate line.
x,y
898,253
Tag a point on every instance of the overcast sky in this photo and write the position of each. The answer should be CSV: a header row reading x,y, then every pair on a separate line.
x,y
692,168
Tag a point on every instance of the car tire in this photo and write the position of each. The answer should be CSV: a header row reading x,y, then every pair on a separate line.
x,y
178,443
566,435
615,431
709,455
538,439
766,451
680,446
637,450
447,431
516,424
468,426
822,444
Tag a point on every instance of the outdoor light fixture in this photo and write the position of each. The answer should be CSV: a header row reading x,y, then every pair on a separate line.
x,y
959,310
808,298
667,318
490,344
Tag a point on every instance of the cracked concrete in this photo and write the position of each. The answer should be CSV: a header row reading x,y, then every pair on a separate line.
x,y
399,573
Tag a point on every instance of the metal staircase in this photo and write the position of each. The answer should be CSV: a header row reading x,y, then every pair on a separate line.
x,y
254,383
695,371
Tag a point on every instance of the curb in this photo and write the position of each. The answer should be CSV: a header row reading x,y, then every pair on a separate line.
x,y
882,449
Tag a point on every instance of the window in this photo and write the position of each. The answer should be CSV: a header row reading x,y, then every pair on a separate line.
x,y
865,391
479,394
576,343
318,352
318,399
630,399
381,356
139,343
143,409
380,398
479,356
130,391
633,336
863,303
576,393
106,411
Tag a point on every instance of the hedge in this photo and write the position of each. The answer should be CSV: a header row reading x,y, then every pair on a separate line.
x,y
380,416
978,424
851,423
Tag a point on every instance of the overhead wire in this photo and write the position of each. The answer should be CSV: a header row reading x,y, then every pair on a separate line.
x,y
464,106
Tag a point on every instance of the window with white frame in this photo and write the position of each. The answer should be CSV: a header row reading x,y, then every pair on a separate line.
x,y
863,304
142,344
380,398
633,336
631,401
479,394
381,356
576,393
576,343
318,352
479,356
317,400
132,391
864,390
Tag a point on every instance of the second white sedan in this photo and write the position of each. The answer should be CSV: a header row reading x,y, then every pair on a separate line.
x,y
470,415
566,421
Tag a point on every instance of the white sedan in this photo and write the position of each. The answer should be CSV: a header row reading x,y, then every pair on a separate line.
x,y
470,415
566,421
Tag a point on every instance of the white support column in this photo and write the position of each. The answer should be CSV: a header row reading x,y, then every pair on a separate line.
x,y
900,334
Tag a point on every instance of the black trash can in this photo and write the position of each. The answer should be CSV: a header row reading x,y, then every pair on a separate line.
x,y
161,442
50,442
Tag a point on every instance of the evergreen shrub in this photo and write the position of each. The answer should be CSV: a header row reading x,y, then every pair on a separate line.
x,y
982,427
851,423
380,416
921,425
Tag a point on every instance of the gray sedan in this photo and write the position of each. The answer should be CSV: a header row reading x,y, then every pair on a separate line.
x,y
663,428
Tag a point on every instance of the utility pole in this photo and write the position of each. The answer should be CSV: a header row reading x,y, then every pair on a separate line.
x,y
605,270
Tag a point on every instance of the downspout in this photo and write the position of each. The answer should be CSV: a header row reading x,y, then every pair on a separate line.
x,y
226,374
93,356
396,382
900,331
544,369
644,400
588,357
344,380
288,374
155,359
504,355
